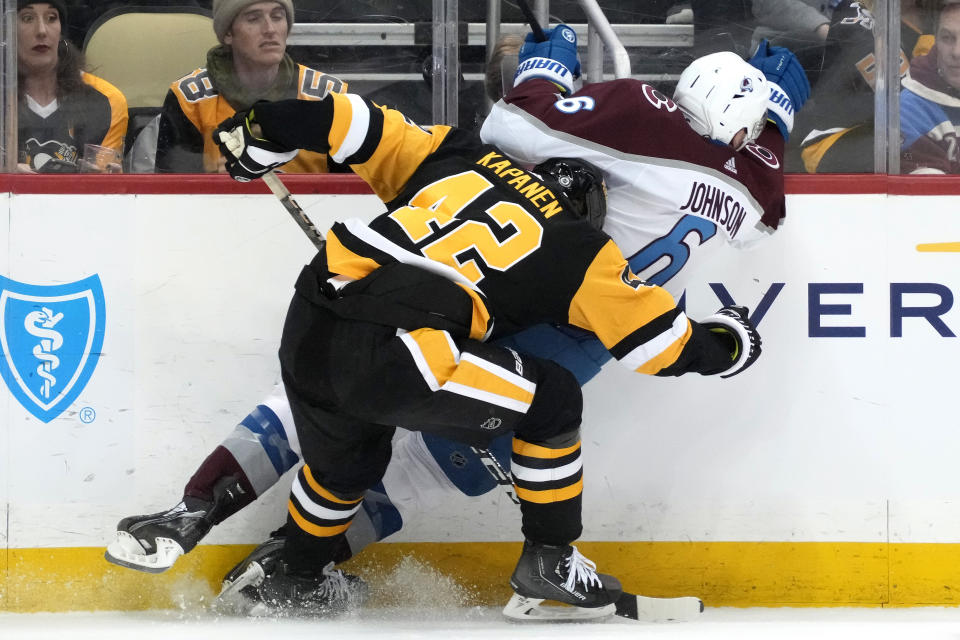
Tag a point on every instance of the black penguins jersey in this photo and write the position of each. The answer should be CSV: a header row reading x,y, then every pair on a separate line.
x,y
460,208
95,114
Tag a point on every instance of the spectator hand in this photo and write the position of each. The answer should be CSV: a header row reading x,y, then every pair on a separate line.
x,y
790,88
248,156
554,59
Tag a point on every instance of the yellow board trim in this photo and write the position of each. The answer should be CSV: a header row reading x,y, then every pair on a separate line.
x,y
723,574
939,247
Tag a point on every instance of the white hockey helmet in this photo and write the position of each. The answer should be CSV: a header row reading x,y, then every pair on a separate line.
x,y
720,94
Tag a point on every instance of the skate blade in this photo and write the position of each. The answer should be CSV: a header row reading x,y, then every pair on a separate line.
x,y
645,609
529,609
230,599
127,552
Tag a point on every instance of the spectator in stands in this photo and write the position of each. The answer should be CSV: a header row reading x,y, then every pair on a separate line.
x,y
930,101
836,127
249,65
502,65
800,25
61,108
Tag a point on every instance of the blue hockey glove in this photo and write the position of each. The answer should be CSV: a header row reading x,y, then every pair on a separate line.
x,y
554,59
790,88
249,156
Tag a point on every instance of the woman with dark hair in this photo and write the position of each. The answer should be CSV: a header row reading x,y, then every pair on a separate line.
x,y
61,108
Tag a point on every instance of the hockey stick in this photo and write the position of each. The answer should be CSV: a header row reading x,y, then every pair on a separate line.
x,y
234,142
500,475
296,212
538,33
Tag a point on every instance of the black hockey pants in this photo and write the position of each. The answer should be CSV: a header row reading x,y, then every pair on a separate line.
x,y
351,382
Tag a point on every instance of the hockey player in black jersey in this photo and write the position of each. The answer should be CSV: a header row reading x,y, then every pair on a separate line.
x,y
153,542
389,323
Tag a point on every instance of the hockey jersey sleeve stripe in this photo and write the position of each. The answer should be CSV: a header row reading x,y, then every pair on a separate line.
x,y
648,333
351,121
372,139
660,351
381,145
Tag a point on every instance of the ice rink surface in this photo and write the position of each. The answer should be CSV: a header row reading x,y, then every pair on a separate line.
x,y
466,623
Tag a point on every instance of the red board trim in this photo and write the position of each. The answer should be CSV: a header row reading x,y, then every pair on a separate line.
x,y
350,184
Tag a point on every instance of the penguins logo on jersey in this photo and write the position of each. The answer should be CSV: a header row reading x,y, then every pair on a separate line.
x,y
40,153
50,341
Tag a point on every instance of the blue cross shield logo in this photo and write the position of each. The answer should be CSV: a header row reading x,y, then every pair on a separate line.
x,y
50,341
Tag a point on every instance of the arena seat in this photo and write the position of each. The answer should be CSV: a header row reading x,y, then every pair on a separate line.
x,y
141,50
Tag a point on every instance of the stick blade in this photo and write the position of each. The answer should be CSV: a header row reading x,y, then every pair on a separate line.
x,y
645,609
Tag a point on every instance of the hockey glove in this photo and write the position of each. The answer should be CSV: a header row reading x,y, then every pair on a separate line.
x,y
789,85
732,325
554,59
248,155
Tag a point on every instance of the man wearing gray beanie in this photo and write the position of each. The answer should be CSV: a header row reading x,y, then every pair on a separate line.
x,y
250,64
225,11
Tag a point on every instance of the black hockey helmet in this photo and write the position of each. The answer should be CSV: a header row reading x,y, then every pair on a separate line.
x,y
581,185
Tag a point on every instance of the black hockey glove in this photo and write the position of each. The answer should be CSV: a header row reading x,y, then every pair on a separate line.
x,y
733,326
249,156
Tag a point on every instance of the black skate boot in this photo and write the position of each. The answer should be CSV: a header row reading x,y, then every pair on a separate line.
x,y
559,573
153,542
262,584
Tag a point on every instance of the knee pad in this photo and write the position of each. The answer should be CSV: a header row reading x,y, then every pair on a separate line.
x,y
557,406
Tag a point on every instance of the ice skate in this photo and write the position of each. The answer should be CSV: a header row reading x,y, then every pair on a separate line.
x,y
238,594
262,585
560,574
153,542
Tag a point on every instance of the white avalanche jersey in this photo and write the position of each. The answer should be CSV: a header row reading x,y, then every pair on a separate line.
x,y
672,195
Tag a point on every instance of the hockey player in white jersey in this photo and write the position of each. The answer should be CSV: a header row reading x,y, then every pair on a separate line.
x,y
684,176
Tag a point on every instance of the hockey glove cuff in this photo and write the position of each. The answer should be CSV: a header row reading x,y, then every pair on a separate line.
x,y
780,110
249,156
554,59
732,325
